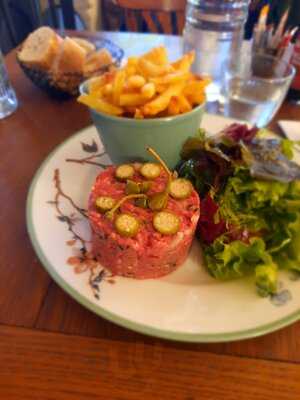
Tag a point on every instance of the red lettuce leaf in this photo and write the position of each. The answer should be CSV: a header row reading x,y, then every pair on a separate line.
x,y
207,228
237,132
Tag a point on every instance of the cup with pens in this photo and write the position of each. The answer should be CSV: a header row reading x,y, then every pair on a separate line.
x,y
256,90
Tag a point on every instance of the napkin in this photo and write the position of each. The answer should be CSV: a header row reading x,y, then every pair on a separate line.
x,y
291,129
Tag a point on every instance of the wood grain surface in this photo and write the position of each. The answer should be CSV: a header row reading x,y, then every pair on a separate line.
x,y
86,368
51,347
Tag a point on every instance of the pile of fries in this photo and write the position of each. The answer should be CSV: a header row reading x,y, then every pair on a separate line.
x,y
146,87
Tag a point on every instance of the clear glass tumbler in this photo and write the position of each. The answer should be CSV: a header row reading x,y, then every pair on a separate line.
x,y
255,92
8,99
215,29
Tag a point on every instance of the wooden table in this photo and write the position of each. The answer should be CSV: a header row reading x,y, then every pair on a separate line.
x,y
52,348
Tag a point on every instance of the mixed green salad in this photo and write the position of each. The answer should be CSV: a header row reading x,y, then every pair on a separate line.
x,y
250,203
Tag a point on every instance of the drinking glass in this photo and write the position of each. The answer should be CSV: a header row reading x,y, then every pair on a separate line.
x,y
215,30
256,90
8,100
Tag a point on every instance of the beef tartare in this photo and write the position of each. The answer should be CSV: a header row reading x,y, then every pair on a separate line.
x,y
143,220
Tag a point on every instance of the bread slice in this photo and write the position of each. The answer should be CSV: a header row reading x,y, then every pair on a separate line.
x,y
70,59
85,44
97,61
40,49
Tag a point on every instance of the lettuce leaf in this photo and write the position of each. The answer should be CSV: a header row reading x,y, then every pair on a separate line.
x,y
238,259
250,203
266,278
289,257
235,259
287,148
258,192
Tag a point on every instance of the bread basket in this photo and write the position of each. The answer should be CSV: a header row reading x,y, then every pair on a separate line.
x,y
66,84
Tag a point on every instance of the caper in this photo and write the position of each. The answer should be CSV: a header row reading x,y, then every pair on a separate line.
x,y
132,187
158,201
142,202
144,186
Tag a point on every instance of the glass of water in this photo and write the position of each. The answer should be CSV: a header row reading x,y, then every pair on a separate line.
x,y
8,99
255,92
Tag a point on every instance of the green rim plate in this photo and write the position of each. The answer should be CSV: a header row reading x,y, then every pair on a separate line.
x,y
99,310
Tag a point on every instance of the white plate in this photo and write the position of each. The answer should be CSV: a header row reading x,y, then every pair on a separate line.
x,y
186,305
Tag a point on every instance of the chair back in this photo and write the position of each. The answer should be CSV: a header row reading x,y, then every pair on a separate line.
x,y
159,16
67,10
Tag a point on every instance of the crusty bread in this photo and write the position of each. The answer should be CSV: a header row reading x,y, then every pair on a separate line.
x,y
70,59
40,48
59,65
85,44
96,61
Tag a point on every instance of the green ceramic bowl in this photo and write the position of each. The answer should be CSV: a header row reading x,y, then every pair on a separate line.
x,y
125,139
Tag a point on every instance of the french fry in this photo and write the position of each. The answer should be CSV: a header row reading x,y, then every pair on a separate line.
x,y
118,86
136,81
96,83
198,98
147,86
170,78
161,88
97,93
173,107
187,61
138,114
148,90
194,91
132,60
109,76
158,56
99,104
184,104
132,99
130,70
184,63
149,69
107,89
130,67
197,85
161,102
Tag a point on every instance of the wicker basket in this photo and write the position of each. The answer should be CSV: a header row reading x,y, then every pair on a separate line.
x,y
66,85
62,86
